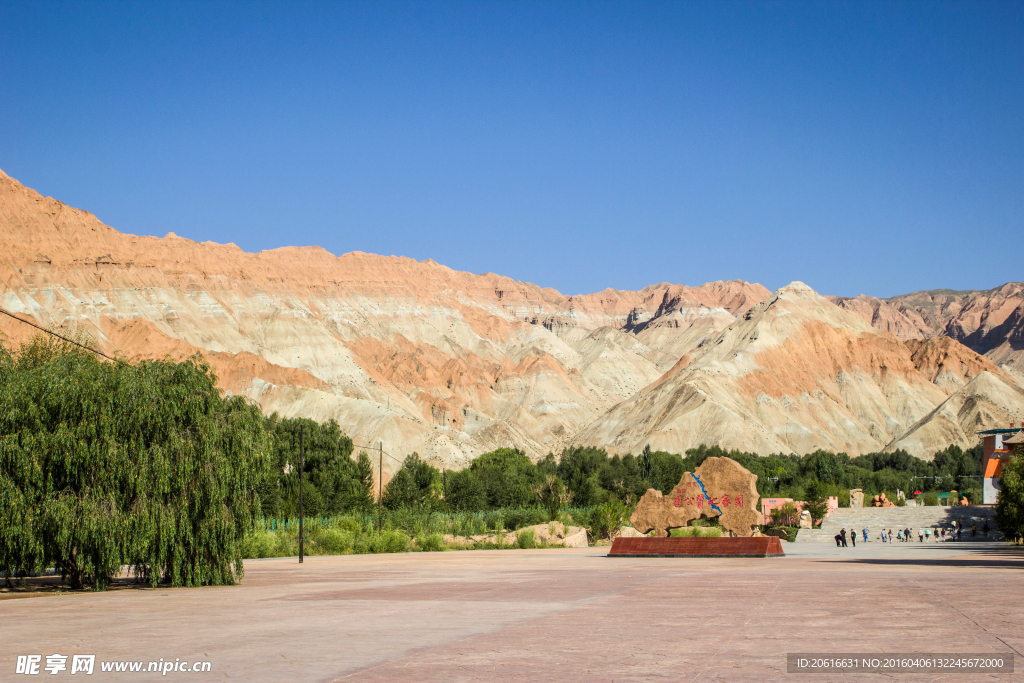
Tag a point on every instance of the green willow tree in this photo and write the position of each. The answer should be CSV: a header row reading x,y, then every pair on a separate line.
x,y
106,464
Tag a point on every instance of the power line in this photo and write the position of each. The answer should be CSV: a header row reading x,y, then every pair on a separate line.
x,y
116,360
59,336
374,448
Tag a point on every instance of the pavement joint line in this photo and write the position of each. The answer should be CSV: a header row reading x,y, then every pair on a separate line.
x,y
737,630
955,609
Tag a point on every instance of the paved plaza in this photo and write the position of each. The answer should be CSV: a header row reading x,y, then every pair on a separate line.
x,y
547,615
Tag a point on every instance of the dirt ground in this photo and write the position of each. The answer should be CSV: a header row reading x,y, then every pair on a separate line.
x,y
546,615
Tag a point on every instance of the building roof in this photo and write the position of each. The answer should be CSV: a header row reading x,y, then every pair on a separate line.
x,y
990,432
1015,439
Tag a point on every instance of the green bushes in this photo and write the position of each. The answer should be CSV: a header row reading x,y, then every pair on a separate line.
x,y
606,520
431,544
696,532
355,534
1010,505
526,539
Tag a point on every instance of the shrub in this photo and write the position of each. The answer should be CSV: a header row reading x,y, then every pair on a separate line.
x,y
430,543
526,539
259,544
606,520
331,541
389,542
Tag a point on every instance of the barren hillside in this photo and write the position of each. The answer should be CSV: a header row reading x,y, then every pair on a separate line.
x,y
988,321
450,364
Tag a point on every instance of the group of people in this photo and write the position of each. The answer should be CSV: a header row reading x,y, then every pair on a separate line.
x,y
954,533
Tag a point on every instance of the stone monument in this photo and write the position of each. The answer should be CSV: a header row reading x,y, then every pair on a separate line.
x,y
856,498
720,487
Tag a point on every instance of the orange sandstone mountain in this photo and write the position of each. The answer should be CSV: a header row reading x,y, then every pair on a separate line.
x,y
450,364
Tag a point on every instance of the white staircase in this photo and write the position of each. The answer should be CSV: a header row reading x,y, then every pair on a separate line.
x,y
899,518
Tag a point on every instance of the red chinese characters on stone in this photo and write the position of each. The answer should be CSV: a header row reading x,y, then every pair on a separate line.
x,y
739,501
725,500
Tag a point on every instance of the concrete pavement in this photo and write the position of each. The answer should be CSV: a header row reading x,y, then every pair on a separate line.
x,y
547,615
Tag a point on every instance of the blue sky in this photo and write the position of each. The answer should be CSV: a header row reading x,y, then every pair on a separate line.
x,y
860,147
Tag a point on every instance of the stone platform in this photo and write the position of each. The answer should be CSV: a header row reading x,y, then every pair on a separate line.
x,y
761,546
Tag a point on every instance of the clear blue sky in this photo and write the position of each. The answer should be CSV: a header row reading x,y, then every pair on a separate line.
x,y
860,147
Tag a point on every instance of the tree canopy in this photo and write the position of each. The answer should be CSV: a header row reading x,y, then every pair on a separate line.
x,y
105,464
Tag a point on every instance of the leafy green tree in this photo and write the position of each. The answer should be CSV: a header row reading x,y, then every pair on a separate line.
x,y
578,468
416,485
649,469
1010,504
509,478
465,492
333,482
815,501
106,464
552,494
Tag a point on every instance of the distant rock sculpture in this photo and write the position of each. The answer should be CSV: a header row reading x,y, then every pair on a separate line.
x,y
805,520
720,487
880,501
856,498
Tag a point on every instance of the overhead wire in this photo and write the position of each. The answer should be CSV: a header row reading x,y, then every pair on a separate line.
x,y
59,336
100,353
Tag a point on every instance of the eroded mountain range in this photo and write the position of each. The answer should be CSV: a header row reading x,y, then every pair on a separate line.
x,y
451,364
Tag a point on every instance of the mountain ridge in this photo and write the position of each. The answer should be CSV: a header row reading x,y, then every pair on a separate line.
x,y
450,364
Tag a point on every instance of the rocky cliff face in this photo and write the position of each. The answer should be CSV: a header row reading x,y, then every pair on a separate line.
x,y
988,321
450,364
797,373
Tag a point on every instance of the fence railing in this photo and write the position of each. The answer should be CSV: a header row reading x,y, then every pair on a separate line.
x,y
416,522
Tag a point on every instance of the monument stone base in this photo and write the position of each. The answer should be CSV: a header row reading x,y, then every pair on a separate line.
x,y
752,546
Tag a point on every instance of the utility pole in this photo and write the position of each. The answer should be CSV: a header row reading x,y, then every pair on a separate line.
x,y
380,488
302,466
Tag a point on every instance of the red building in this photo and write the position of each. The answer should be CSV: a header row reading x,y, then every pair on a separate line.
x,y
997,446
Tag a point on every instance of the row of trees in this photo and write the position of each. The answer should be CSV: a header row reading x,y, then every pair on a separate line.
x,y
583,477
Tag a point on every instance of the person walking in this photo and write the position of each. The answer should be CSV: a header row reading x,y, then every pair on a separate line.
x,y
853,537
890,535
865,534
883,535
920,535
907,535
842,532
